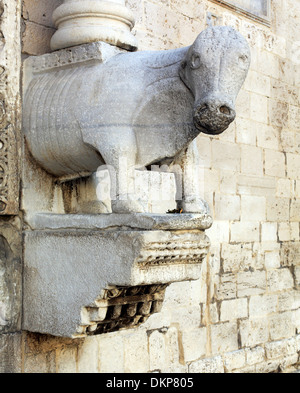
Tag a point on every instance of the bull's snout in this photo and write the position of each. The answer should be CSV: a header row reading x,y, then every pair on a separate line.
x,y
213,117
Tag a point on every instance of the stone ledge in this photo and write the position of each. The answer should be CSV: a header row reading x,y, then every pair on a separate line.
x,y
145,221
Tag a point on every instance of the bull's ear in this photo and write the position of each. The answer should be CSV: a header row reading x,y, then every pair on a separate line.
x,y
195,61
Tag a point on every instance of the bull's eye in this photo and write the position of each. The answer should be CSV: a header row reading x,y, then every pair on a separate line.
x,y
243,59
195,61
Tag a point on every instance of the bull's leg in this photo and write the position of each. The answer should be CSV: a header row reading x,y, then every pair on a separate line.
x,y
189,181
123,172
118,150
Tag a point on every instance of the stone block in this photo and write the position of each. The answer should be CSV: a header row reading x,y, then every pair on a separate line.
x,y
247,130
204,149
267,136
294,114
251,160
288,231
289,300
157,351
227,207
269,232
244,231
279,280
89,353
278,209
260,306
258,83
290,254
274,163
253,208
188,316
295,211
136,355
284,188
233,309
281,326
259,108
225,156
272,259
173,351
235,360
278,113
251,283
236,257
40,12
228,182
207,366
219,232
66,361
89,304
36,39
253,185
255,355
224,337
194,343
281,348
243,104
268,64
253,332
226,288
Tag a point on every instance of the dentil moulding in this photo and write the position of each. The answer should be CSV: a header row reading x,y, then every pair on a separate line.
x,y
83,21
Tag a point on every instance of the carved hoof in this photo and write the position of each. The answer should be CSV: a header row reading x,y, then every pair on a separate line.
x,y
129,204
195,205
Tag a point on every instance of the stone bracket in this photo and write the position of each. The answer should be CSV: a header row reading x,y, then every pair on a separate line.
x,y
92,274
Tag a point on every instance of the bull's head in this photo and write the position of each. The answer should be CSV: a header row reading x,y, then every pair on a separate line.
x,y
214,70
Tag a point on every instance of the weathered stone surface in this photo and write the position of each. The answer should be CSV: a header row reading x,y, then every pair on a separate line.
x,y
66,269
10,353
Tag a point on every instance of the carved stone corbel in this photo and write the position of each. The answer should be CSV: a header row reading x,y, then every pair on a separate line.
x,y
83,21
93,274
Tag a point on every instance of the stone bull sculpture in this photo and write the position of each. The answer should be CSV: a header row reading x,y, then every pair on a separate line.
x,y
145,107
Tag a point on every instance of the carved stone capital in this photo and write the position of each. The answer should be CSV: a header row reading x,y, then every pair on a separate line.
x,y
83,21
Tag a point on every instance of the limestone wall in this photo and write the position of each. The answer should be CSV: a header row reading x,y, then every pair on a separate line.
x,y
244,313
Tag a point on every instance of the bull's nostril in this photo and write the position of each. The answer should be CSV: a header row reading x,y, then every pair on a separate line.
x,y
225,110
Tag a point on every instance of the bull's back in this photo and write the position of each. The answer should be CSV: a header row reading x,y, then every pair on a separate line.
x,y
50,126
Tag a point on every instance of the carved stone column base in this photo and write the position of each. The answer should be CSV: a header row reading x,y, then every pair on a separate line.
x,y
94,274
81,22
